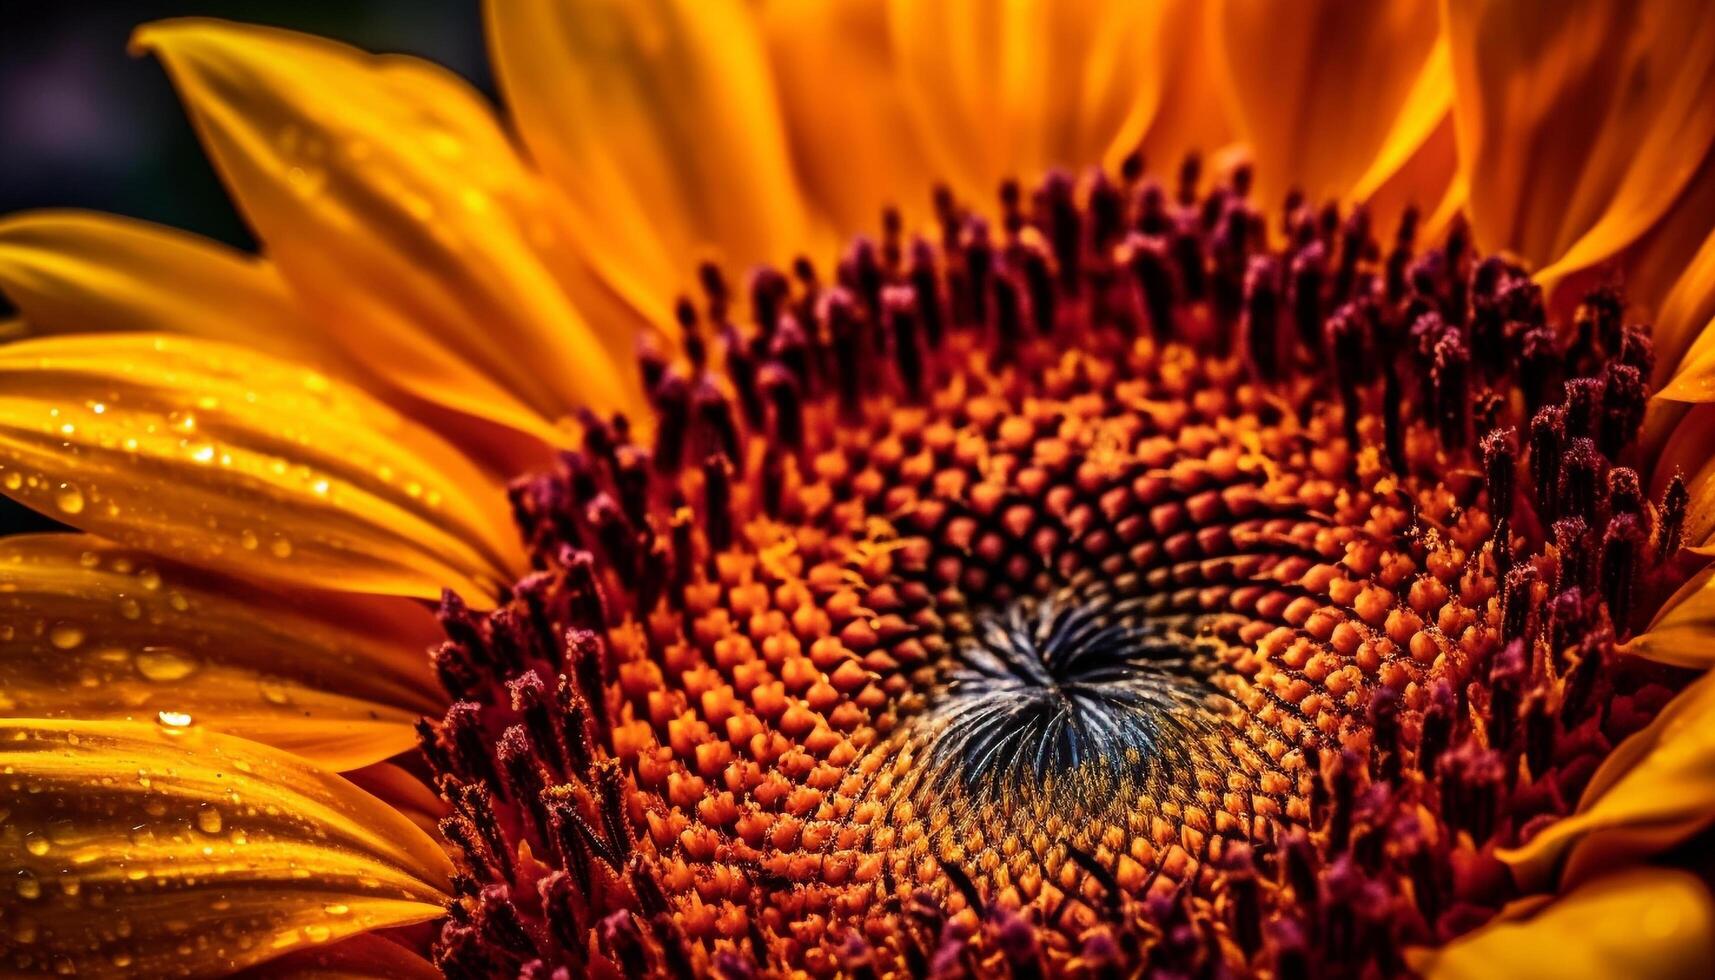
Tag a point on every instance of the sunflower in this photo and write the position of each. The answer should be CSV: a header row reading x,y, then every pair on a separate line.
x,y
1223,513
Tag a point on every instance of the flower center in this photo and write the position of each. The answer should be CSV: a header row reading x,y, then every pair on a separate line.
x,y
1082,688
1120,582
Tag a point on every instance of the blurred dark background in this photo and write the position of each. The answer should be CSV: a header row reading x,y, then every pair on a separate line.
x,y
85,124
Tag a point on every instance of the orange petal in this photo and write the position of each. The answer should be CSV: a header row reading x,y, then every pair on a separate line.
x,y
95,631
365,956
1010,90
1579,123
1645,923
1690,452
846,116
1191,116
1683,630
1333,98
658,119
394,205
231,459
1684,331
161,849
1655,790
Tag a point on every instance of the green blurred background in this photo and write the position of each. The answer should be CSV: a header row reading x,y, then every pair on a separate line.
x,y
85,124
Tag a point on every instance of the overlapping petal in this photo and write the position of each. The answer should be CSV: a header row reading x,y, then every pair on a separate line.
x,y
837,73
1689,451
219,456
1683,630
1579,123
1332,98
365,956
85,272
1653,791
1000,91
160,849
95,631
394,205
658,120
1648,923
1684,333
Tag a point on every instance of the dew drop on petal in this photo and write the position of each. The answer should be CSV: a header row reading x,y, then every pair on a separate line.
x,y
69,499
208,819
173,721
163,664
66,636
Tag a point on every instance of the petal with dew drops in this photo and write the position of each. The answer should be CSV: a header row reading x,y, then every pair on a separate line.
x,y
223,457
160,849
1646,923
1579,123
396,208
659,120
1654,791
365,956
1683,630
82,271
95,631
1690,452
1000,91
837,73
1331,97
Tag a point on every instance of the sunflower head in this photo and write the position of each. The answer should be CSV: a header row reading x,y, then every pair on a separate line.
x,y
560,553
1104,583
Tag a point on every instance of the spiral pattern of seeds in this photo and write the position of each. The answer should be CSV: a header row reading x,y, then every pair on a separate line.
x,y
1129,584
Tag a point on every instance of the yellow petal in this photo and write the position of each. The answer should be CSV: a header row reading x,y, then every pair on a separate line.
x,y
392,204
80,271
1684,333
1655,790
658,119
1683,630
1010,90
159,849
223,457
1690,452
1646,923
1333,98
365,956
95,631
1579,123
846,116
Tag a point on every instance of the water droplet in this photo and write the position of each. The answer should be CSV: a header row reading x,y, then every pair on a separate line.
x,y
274,692
29,887
248,540
208,819
149,579
14,480
130,608
173,720
36,844
163,664
318,933
69,499
336,908
65,636
281,547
